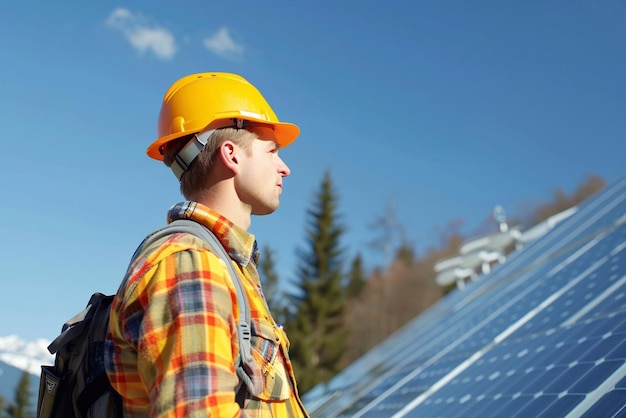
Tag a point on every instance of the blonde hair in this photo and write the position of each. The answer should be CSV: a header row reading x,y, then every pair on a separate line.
x,y
193,180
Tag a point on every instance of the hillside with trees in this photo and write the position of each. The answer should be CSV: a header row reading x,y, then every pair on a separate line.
x,y
21,406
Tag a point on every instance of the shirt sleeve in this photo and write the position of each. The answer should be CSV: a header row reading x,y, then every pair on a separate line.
x,y
188,342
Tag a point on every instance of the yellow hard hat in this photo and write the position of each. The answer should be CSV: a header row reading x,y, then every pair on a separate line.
x,y
203,101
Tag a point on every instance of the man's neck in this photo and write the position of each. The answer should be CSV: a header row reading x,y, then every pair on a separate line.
x,y
228,206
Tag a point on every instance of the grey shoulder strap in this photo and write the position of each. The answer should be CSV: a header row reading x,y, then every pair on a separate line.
x,y
243,328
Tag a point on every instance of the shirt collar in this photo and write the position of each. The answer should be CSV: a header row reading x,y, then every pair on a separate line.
x,y
239,243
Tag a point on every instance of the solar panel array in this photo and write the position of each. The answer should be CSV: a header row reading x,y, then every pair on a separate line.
x,y
542,335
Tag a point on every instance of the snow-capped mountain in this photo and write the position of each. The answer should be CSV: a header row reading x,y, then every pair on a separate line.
x,y
25,355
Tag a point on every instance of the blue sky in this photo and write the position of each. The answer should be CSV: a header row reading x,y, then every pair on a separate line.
x,y
440,109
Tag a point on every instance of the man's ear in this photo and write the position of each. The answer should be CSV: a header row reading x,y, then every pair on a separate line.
x,y
228,155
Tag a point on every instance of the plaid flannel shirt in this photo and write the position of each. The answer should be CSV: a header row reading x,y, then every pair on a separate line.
x,y
172,342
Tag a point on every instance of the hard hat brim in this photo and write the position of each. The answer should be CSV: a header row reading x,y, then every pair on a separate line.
x,y
283,133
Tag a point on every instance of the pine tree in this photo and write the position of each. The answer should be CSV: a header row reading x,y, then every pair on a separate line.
x,y
270,282
356,277
405,253
316,330
21,408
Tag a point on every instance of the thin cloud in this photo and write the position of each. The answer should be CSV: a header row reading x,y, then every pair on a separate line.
x,y
142,35
223,45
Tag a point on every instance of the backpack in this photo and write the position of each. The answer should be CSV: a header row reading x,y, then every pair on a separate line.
x,y
77,386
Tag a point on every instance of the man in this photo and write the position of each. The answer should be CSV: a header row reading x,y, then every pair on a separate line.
x,y
172,343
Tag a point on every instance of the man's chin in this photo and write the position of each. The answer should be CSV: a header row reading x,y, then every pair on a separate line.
x,y
265,210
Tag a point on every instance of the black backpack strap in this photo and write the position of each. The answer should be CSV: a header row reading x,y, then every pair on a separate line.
x,y
243,327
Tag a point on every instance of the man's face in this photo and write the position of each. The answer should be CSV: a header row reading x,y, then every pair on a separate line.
x,y
260,181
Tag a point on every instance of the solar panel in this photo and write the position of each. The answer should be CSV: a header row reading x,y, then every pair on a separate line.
x,y
542,335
